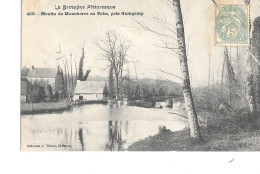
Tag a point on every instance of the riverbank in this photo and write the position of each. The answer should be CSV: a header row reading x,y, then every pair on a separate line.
x,y
218,136
90,102
141,103
48,107
45,107
180,141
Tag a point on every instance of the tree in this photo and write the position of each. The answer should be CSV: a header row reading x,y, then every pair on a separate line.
x,y
128,87
231,78
115,51
161,92
59,84
71,74
49,92
76,69
250,93
66,78
146,93
32,92
41,94
169,35
154,92
82,77
105,91
137,91
35,92
111,82
85,77
190,107
24,71
230,72
256,53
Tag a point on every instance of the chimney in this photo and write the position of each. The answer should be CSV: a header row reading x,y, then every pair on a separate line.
x,y
32,67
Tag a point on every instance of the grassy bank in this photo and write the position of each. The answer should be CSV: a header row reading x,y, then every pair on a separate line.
x,y
224,135
28,108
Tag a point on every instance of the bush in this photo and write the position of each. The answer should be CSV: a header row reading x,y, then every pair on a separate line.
x,y
227,112
36,93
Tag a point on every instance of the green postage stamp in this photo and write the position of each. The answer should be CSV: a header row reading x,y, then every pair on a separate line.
x,y
232,25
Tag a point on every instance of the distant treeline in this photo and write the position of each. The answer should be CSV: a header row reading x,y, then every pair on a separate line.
x,y
148,89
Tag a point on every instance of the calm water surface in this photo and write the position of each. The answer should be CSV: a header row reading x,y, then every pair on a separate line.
x,y
94,128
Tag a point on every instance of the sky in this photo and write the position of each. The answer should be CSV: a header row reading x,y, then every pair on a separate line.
x,y
42,35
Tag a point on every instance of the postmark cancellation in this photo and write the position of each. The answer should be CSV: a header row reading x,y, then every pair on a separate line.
x,y
232,25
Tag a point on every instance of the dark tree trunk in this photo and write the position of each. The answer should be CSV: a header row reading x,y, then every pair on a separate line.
x,y
117,86
111,82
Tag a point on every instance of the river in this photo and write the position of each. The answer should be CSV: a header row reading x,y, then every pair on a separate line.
x,y
95,127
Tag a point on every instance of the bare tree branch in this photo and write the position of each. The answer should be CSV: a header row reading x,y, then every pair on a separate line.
x,y
165,72
165,24
166,47
115,50
152,31
108,66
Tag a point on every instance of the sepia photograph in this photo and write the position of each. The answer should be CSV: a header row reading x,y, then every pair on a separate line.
x,y
131,75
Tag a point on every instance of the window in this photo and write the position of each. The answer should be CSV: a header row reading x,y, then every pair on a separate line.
x,y
80,97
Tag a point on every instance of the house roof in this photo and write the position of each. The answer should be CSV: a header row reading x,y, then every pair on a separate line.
x,y
89,87
42,73
24,87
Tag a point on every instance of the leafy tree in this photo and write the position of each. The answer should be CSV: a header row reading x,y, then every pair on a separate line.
x,y
85,77
33,92
49,92
161,92
105,91
154,92
146,93
24,71
137,91
82,77
111,82
41,94
81,65
59,84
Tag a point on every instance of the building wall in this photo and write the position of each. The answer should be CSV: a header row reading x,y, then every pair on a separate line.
x,y
42,81
23,98
88,97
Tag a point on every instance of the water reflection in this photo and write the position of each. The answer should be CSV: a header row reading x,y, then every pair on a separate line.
x,y
94,128
115,142
81,139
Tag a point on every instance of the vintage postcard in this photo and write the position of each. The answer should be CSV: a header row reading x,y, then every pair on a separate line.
x,y
131,75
